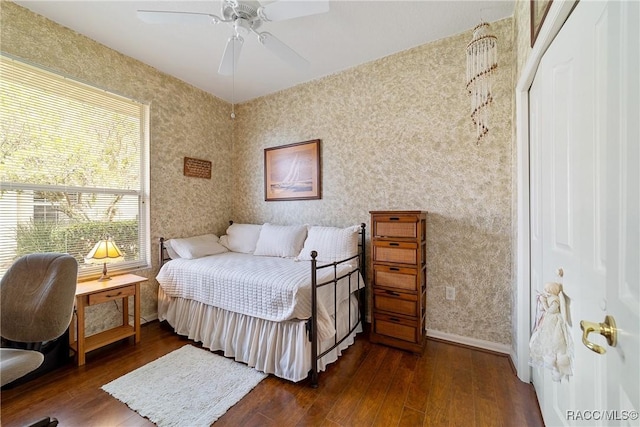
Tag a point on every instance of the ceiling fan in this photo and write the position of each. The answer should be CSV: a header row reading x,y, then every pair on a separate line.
x,y
245,17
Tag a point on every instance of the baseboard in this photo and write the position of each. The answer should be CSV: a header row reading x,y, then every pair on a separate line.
x,y
470,342
513,361
148,319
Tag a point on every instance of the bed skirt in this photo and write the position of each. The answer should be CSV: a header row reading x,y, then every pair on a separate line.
x,y
279,348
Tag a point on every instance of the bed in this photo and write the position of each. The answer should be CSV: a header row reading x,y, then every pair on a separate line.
x,y
286,300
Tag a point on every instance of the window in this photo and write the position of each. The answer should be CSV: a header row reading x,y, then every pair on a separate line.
x,y
44,209
73,168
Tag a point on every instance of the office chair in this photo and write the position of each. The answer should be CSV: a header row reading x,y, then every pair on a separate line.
x,y
37,297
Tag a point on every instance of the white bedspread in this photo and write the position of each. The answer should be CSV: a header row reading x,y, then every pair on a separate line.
x,y
269,288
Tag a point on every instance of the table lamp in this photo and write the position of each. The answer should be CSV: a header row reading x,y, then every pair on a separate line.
x,y
105,251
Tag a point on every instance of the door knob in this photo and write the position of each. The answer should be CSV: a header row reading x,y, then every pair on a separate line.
x,y
606,329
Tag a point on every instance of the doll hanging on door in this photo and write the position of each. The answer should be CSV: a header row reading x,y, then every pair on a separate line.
x,y
551,345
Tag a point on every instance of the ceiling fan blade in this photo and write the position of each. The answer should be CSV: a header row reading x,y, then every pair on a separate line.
x,y
167,17
282,51
230,56
285,9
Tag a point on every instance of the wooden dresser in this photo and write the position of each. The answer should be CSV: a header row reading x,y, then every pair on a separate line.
x,y
398,241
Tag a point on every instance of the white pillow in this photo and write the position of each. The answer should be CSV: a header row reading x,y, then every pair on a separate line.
x,y
331,243
197,246
281,240
242,237
172,254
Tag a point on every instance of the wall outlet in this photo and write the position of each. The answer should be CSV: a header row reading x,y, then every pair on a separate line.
x,y
450,293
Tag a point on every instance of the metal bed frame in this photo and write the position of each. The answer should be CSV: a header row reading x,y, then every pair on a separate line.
x,y
312,322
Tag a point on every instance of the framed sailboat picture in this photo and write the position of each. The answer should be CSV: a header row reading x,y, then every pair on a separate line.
x,y
292,172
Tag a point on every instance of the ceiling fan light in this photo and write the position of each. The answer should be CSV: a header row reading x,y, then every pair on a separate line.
x,y
242,26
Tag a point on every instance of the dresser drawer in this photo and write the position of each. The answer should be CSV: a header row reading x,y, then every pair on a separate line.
x,y
395,226
401,278
396,327
395,252
112,294
395,302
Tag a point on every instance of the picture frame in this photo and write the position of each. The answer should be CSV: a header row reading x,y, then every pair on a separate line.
x,y
292,172
538,11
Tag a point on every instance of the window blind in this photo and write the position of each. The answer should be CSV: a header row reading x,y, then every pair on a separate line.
x,y
73,168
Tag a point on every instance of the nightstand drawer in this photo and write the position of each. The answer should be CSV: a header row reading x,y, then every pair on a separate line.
x,y
395,302
396,327
401,278
111,294
395,252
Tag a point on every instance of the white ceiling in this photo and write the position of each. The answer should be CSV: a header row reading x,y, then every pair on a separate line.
x,y
351,33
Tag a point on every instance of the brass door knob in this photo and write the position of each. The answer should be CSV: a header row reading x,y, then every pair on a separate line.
x,y
606,329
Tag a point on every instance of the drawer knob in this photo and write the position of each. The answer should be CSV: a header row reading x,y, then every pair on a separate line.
x,y
394,218
394,244
394,319
113,296
394,269
395,294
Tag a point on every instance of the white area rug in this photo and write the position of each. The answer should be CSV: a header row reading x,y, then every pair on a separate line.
x,y
187,387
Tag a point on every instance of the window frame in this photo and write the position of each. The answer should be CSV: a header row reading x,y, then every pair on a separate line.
x,y
89,271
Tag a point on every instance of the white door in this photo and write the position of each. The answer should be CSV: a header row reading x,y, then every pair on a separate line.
x,y
585,193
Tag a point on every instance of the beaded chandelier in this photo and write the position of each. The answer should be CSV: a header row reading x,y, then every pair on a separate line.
x,y
482,60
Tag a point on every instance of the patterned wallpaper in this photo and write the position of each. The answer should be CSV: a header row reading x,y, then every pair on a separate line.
x,y
395,134
184,121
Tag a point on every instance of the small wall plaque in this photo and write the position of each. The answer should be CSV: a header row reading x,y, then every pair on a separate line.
x,y
197,168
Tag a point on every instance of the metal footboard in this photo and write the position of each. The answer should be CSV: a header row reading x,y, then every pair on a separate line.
x,y
313,321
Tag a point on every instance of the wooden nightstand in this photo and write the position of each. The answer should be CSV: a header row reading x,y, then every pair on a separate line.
x,y
94,292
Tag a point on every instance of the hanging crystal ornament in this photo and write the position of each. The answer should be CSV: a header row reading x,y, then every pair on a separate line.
x,y
482,60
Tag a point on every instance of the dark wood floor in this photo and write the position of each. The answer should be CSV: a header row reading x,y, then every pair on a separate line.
x,y
448,385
